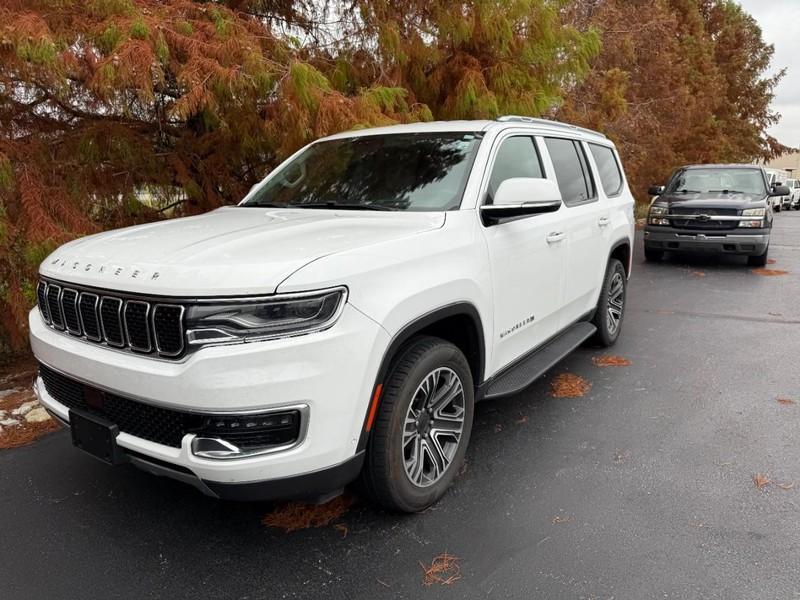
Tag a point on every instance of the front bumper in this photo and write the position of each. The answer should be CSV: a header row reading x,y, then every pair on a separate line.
x,y
748,242
331,372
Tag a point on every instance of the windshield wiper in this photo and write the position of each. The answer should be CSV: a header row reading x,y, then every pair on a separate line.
x,y
725,192
263,205
339,206
687,192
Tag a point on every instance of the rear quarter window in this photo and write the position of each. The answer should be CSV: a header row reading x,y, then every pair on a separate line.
x,y
608,169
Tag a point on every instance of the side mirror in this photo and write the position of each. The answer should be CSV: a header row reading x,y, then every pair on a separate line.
x,y
522,196
779,190
656,190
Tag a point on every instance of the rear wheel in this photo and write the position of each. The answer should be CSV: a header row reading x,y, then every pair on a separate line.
x,y
424,421
611,305
653,255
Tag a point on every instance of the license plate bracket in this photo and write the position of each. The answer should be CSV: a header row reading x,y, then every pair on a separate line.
x,y
96,436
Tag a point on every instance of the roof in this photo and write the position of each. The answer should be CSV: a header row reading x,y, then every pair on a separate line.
x,y
722,166
472,126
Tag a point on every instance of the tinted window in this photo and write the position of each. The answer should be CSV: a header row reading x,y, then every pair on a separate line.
x,y
607,167
517,157
572,172
415,172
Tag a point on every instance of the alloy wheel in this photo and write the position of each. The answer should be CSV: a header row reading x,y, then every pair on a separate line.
x,y
433,426
616,302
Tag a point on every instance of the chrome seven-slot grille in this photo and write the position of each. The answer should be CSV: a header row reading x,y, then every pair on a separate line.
x,y
119,321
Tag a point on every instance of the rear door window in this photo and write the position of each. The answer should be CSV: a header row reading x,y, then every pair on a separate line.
x,y
517,157
572,171
608,169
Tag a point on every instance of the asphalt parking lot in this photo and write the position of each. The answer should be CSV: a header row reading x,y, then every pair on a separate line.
x,y
643,488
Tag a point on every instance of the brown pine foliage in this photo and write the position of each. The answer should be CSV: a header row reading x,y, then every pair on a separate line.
x,y
677,82
117,112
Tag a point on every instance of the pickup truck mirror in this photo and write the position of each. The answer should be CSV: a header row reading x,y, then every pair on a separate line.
x,y
779,190
656,190
522,196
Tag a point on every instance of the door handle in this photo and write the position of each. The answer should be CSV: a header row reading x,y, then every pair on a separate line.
x,y
604,222
555,236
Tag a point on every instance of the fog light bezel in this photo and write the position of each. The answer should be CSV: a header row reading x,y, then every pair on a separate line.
x,y
206,445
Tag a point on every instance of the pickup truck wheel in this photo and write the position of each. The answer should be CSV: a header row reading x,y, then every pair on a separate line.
x,y
423,426
611,305
758,261
653,255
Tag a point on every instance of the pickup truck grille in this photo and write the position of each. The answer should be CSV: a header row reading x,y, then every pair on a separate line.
x,y
118,321
711,223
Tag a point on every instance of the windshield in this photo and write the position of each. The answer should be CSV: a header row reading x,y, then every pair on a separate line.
x,y
731,181
414,172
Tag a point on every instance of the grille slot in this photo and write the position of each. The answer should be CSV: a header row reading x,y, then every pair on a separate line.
x,y
168,323
54,306
89,319
41,295
121,321
136,325
69,308
111,321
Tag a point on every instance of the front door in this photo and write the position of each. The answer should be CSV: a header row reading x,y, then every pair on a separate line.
x,y
527,257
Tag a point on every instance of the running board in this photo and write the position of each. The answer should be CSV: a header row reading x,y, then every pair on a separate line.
x,y
522,374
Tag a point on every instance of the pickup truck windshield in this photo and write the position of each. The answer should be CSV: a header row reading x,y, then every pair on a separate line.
x,y
718,180
414,172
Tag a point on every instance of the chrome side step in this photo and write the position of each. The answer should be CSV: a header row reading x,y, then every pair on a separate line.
x,y
529,368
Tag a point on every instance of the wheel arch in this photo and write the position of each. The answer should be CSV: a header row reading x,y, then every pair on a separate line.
x,y
622,251
459,323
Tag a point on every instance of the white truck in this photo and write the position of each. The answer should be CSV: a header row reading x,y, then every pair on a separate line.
x,y
344,318
778,177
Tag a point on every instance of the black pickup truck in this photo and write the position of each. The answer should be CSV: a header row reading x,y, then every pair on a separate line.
x,y
721,209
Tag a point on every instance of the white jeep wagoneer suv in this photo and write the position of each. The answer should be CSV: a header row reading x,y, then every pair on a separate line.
x,y
344,318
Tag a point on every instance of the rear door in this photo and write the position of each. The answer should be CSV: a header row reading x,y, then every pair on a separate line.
x,y
527,257
585,221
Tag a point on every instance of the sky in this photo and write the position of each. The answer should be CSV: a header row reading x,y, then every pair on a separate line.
x,y
779,21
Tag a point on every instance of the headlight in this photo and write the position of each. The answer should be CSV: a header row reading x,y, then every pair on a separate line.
x,y
754,223
233,321
754,212
657,212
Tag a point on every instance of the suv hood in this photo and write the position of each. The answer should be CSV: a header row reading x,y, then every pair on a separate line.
x,y
227,252
716,200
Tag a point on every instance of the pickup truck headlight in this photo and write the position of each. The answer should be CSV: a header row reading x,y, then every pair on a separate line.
x,y
753,212
232,321
657,214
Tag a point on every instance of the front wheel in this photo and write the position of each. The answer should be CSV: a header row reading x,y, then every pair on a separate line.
x,y
758,261
653,255
611,305
424,421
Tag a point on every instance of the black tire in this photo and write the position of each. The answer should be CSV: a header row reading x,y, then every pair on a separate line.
x,y
758,261
653,255
385,477
778,208
608,330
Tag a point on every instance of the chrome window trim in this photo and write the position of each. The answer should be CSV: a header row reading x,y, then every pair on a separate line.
x,y
127,303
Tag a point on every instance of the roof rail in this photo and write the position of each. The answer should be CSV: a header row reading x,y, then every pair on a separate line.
x,y
545,122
